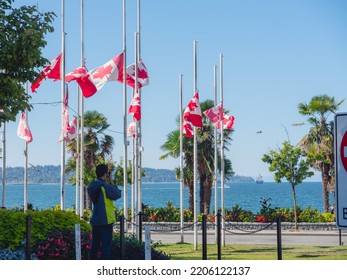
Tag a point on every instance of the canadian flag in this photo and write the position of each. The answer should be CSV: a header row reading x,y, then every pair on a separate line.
x,y
142,75
51,71
75,74
66,125
135,107
192,116
95,79
214,114
228,122
71,133
23,130
131,129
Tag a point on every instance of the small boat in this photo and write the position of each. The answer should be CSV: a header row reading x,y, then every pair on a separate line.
x,y
259,179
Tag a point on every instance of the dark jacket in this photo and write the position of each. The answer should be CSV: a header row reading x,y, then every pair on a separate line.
x,y
102,196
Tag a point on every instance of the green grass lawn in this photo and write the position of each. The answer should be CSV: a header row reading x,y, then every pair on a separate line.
x,y
185,251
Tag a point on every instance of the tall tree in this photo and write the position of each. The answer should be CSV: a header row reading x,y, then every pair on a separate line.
x,y
22,33
289,163
205,159
98,146
319,142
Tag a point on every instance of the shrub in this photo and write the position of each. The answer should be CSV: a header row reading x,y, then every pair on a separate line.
x,y
13,225
60,245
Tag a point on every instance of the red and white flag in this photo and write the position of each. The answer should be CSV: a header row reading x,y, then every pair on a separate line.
x,y
51,71
75,74
142,75
135,107
131,129
214,114
95,79
23,130
66,125
72,131
192,116
228,122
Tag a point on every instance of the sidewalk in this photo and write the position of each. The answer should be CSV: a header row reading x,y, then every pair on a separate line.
x,y
265,237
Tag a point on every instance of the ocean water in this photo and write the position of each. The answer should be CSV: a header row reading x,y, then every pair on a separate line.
x,y
246,195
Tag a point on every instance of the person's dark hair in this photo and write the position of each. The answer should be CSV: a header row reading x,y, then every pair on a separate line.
x,y
101,169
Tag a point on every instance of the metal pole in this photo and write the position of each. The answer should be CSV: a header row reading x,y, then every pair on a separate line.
x,y
204,238
222,152
140,122
3,204
122,239
181,159
136,189
215,153
81,140
195,159
26,167
219,247
125,123
62,71
279,239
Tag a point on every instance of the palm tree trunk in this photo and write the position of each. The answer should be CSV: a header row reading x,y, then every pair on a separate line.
x,y
326,179
191,197
208,194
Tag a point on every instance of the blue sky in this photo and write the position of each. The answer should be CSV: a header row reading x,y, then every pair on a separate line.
x,y
276,54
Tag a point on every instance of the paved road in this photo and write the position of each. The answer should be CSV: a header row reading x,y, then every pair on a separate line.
x,y
265,237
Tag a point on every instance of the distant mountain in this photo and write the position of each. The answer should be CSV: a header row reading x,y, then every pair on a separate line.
x,y
40,174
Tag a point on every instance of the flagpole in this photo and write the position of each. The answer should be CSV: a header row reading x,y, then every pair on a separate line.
x,y
81,140
139,123
215,154
181,160
3,164
195,158
125,125
26,164
222,151
62,170
137,198
78,182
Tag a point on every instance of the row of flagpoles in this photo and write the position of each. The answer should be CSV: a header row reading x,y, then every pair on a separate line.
x,y
136,76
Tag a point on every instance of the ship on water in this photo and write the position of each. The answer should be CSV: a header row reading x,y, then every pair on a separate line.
x,y
259,179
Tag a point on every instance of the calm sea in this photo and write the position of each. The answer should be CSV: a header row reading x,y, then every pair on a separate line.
x,y
246,195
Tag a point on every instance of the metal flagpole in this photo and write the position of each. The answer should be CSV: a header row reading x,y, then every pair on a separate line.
x,y
215,154
139,178
81,143
136,186
125,140
133,191
181,160
222,151
62,73
78,161
3,164
195,160
26,164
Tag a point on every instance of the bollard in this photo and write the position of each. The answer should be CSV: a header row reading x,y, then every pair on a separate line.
x,y
28,237
122,240
279,238
140,227
204,238
219,241
148,248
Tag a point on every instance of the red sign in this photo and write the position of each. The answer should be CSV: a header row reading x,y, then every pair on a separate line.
x,y
343,151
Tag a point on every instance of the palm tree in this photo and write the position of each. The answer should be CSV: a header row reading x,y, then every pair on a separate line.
x,y
319,142
97,147
205,159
